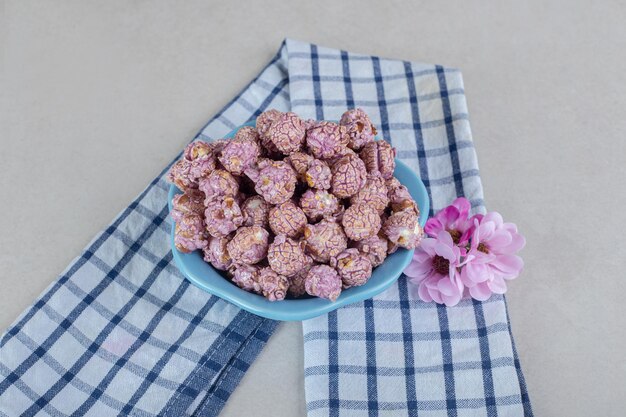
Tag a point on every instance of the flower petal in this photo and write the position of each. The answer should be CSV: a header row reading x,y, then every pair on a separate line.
x,y
508,264
480,292
418,270
433,226
423,293
499,239
498,285
451,300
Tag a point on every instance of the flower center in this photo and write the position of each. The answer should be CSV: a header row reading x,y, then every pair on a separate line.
x,y
441,265
456,236
482,248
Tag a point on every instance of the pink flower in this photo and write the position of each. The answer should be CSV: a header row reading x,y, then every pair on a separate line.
x,y
454,220
434,270
491,259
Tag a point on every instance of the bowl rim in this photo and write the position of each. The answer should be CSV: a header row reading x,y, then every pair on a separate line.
x,y
298,309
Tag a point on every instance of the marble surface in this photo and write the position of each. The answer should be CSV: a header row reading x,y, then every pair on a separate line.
x,y
98,96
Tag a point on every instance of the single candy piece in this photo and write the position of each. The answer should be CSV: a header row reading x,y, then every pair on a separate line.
x,y
255,211
219,183
189,202
353,268
179,175
379,156
360,221
223,215
300,163
189,233
318,203
263,124
373,193
239,155
246,277
374,248
324,240
403,229
197,149
272,285
360,128
324,282
285,255
326,139
400,197
287,219
318,175
249,245
202,158
248,133
216,253
287,133
296,281
276,181
349,176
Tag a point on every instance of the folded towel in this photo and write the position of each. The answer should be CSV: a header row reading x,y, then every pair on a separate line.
x,y
121,332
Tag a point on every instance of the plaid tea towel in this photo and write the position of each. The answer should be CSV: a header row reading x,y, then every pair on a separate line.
x,y
121,332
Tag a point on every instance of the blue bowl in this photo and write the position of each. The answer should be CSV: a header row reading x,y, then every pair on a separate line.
x,y
203,275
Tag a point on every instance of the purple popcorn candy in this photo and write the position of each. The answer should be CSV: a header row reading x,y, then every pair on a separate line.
x,y
324,240
201,156
326,139
300,163
189,233
373,193
216,253
219,183
360,221
374,248
287,133
317,204
403,229
263,124
353,268
400,197
248,134
222,215
246,277
296,281
359,126
324,282
287,219
189,202
318,175
197,149
276,181
239,155
379,156
255,211
285,256
180,175
272,285
349,176
249,245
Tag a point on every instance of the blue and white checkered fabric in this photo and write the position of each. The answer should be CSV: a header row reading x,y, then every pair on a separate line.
x,y
122,333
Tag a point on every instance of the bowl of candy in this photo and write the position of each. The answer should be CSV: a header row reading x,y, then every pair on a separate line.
x,y
290,218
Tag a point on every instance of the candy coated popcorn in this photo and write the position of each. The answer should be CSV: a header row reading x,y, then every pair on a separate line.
x,y
287,219
300,163
349,176
202,158
324,282
246,277
263,124
285,256
318,175
255,211
189,202
359,127
272,285
296,281
319,203
326,139
249,245
219,183
373,193
248,133
324,240
402,228
353,268
189,233
276,181
217,254
379,156
239,155
180,175
222,215
399,196
287,133
360,221
374,248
